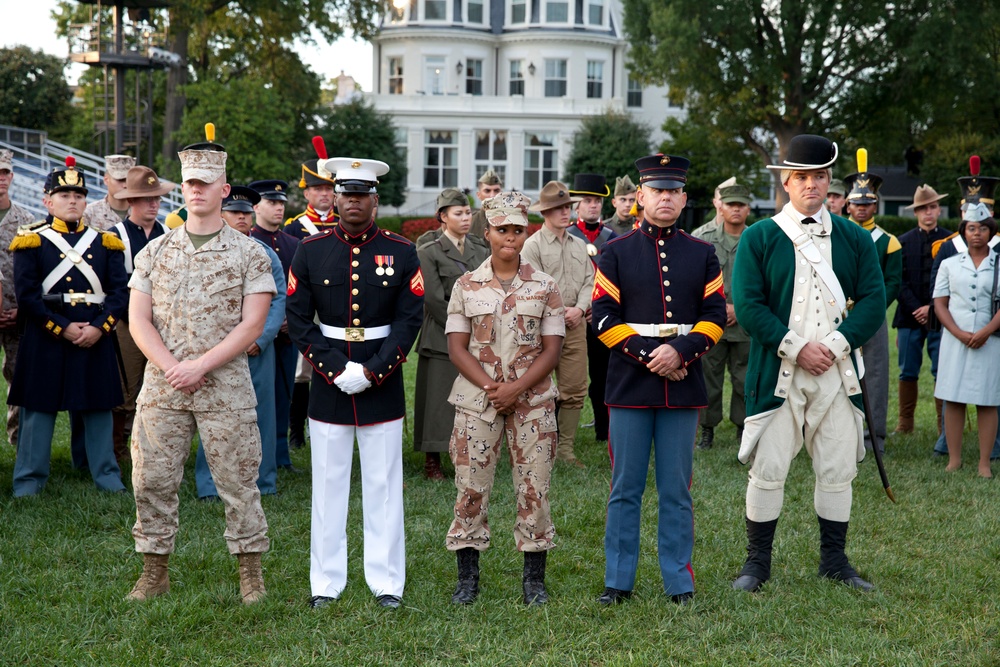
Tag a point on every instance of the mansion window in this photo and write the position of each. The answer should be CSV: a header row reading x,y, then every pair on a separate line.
x,y
396,75
440,159
634,97
595,12
518,11
434,75
555,78
556,11
435,10
474,76
595,79
517,77
541,159
474,11
491,153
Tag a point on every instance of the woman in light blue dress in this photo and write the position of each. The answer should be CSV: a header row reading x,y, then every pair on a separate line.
x,y
969,361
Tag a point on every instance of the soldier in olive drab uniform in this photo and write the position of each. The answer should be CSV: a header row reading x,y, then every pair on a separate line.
x,y
355,303
12,217
659,306
489,185
200,297
443,259
733,349
505,329
564,257
862,202
70,282
103,213
622,222
836,197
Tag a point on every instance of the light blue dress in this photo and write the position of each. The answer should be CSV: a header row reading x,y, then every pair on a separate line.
x,y
966,375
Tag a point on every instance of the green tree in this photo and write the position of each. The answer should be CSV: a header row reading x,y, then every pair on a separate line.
x,y
769,71
608,144
33,90
358,130
250,121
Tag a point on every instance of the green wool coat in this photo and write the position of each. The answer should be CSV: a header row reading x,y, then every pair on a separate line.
x,y
763,283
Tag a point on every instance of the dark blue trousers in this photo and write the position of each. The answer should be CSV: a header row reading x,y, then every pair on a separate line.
x,y
284,382
669,433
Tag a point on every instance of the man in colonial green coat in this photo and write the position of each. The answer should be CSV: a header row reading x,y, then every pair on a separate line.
x,y
805,290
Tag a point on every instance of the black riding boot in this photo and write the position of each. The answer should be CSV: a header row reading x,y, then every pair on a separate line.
x,y
534,578
468,576
757,568
833,563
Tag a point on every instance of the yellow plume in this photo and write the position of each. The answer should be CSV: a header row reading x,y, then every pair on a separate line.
x,y
210,131
862,159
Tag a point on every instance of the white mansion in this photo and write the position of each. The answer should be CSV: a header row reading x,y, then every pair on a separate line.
x,y
474,84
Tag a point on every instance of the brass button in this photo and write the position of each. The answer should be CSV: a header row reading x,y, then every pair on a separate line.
x,y
330,374
310,355
356,307
354,291
669,298
357,251
89,256
88,291
62,256
379,376
326,282
320,364
354,276
357,321
663,254
71,291
69,278
385,283
355,264
669,314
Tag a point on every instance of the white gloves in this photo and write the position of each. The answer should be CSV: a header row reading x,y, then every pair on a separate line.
x,y
352,380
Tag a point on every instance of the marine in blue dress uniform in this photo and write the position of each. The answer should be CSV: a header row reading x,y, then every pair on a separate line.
x,y
659,306
70,283
355,305
270,211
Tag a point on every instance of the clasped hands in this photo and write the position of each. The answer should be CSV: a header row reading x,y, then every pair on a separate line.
x,y
502,396
666,362
973,339
353,380
82,334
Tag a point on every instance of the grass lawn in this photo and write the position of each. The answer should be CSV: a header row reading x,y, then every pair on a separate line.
x,y
67,561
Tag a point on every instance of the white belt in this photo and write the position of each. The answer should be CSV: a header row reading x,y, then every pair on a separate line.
x,y
355,334
76,298
661,330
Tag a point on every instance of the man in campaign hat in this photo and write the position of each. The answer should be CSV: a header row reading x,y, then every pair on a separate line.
x,y
862,201
659,306
12,218
107,212
237,211
269,215
913,323
802,380
489,185
70,283
623,198
733,349
197,376
142,192
355,305
564,256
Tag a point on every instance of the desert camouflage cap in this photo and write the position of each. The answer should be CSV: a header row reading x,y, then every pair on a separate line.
x,y
507,208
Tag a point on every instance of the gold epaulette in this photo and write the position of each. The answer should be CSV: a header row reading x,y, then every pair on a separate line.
x,y
293,219
112,242
25,240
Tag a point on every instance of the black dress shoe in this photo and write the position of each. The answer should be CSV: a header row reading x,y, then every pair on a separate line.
x,y
318,601
748,583
707,437
854,582
292,469
682,598
389,601
612,596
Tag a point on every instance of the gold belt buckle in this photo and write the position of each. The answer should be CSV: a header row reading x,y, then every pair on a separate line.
x,y
667,330
354,334
74,299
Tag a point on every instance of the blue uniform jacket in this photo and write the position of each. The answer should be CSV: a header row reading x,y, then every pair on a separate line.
x,y
657,275
276,311
336,277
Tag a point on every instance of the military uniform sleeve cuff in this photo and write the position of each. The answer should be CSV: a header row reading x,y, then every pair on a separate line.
x,y
790,346
106,323
837,343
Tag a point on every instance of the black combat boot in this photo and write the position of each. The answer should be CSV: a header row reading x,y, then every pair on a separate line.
x,y
534,578
298,412
833,563
757,568
468,576
707,437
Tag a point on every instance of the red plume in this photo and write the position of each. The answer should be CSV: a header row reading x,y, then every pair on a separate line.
x,y
70,161
320,147
974,165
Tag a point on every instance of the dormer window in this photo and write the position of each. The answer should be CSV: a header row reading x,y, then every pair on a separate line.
x,y
518,11
435,10
556,11
474,11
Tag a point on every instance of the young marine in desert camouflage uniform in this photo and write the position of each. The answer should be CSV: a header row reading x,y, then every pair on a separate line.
x,y
505,329
105,212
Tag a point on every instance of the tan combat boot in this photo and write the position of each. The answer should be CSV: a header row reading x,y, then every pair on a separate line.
x,y
251,578
154,580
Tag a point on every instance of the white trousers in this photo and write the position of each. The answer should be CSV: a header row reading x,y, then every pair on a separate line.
x,y
381,451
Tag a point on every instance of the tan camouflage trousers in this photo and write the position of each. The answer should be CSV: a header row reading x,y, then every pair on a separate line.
x,y
475,450
9,340
161,442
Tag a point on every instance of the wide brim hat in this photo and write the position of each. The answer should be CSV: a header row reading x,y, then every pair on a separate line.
x,y
553,195
143,182
507,208
925,195
241,199
807,152
663,172
590,185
